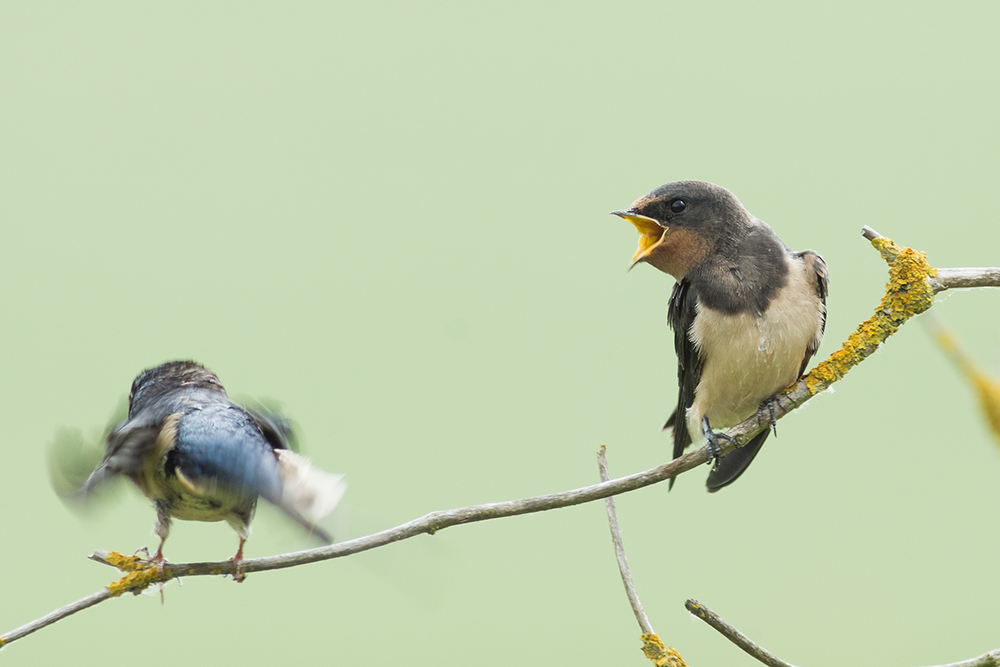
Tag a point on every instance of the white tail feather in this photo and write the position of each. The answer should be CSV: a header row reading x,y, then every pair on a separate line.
x,y
310,491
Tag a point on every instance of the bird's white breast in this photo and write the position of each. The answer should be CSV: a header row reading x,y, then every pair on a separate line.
x,y
748,358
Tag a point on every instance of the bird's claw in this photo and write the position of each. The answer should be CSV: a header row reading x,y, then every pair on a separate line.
x,y
713,437
158,559
769,403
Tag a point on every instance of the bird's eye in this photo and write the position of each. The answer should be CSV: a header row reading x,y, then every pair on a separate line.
x,y
677,205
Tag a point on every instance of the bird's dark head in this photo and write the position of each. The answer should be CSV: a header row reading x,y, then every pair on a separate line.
x,y
154,382
680,223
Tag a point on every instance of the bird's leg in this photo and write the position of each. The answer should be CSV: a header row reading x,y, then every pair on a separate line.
x,y
162,530
769,403
714,451
238,575
158,557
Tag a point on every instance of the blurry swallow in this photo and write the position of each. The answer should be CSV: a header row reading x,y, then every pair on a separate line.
x,y
747,312
200,457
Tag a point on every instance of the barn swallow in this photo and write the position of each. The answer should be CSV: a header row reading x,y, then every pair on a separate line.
x,y
200,457
747,312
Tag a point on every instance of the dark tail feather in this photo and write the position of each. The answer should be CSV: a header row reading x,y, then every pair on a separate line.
x,y
732,465
670,424
307,524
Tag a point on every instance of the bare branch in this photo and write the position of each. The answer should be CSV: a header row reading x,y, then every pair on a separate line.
x,y
435,521
991,659
968,277
616,538
57,615
734,635
652,646
870,233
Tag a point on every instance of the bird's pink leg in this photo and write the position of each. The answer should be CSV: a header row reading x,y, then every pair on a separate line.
x,y
238,575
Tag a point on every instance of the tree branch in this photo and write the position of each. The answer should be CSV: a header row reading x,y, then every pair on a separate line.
x,y
944,279
57,615
652,646
990,659
734,635
912,285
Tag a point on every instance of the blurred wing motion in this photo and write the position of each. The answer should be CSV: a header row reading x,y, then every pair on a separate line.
x,y
200,457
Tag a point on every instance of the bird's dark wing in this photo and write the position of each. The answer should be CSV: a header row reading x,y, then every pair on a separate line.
x,y
814,262
129,445
680,316
274,426
221,452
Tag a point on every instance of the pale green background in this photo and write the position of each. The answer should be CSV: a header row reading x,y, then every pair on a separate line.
x,y
393,219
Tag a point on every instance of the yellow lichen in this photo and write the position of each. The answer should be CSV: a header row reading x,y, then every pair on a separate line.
x,y
140,573
123,562
908,293
134,582
660,655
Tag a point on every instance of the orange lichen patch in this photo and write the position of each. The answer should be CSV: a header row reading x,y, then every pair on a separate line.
x,y
987,387
660,655
123,562
908,293
140,574
135,582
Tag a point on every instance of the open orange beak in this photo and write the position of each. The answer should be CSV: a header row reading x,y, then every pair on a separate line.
x,y
651,234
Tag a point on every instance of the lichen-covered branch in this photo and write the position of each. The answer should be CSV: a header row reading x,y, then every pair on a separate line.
x,y
910,291
912,285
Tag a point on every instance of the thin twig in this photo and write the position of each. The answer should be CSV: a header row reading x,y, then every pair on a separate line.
x,y
616,537
990,659
966,277
870,233
652,646
57,615
734,635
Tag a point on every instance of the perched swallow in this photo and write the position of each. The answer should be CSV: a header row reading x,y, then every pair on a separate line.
x,y
200,457
747,312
